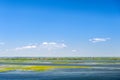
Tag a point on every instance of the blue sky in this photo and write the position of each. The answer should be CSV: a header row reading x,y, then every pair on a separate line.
x,y
59,28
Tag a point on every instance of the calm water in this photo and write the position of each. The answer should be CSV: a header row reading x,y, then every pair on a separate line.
x,y
97,73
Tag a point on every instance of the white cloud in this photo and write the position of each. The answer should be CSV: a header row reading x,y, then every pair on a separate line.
x,y
44,45
74,50
26,47
52,45
95,40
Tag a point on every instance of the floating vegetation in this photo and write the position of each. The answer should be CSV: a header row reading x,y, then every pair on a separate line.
x,y
36,68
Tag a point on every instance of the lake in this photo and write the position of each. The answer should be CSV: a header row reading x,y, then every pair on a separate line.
x,y
98,72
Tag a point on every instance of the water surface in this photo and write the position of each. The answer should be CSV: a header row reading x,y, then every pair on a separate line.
x,y
105,72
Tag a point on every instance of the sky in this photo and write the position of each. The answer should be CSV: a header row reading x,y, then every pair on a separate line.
x,y
59,28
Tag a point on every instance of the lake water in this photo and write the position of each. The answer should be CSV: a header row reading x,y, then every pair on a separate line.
x,y
105,72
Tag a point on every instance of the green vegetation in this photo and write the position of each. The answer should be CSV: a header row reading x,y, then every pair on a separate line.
x,y
6,69
61,60
35,68
30,64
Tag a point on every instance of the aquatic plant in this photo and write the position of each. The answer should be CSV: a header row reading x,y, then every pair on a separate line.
x,y
37,68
